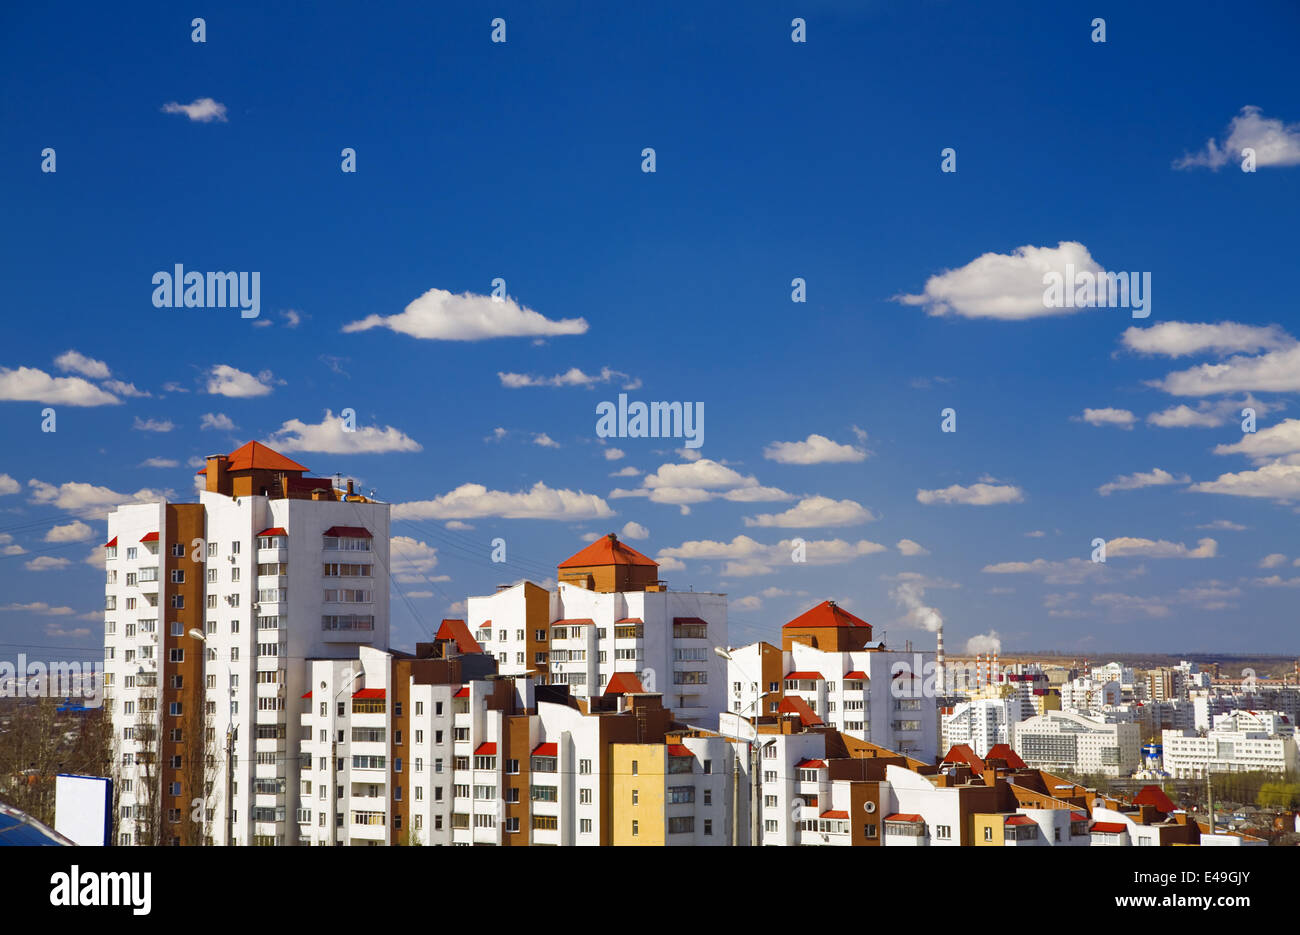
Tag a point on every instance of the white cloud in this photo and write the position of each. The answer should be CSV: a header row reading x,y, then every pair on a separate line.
x,y
697,482
217,420
1157,477
153,425
328,436
1273,560
545,441
38,607
76,531
974,495
28,384
457,525
160,463
816,449
747,603
202,110
474,501
1001,286
96,558
419,595
1121,417
756,495
1131,603
1223,524
571,377
746,557
632,530
815,511
45,563
628,471
1070,571
688,454
1280,439
613,454
1277,581
9,485
1035,534
439,315
1277,480
411,559
1184,338
76,362
1159,548
1273,372
1275,143
75,495
225,380
122,388
909,548
1182,416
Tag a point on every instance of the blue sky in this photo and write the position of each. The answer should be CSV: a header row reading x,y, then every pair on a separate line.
x,y
774,160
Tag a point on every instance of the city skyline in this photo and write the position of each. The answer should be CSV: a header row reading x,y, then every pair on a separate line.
x,y
488,167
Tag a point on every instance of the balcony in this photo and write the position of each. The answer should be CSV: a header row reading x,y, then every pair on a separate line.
x,y
266,556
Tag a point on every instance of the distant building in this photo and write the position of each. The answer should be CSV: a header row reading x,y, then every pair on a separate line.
x,y
1079,744
1240,741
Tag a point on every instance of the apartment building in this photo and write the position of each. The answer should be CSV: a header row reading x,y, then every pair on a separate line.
x,y
610,613
1078,744
209,608
829,663
980,724
1240,741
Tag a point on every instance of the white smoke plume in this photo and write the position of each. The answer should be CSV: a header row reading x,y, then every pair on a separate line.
x,y
988,642
910,595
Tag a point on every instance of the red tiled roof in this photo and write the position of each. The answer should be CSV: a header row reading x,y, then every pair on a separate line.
x,y
676,749
1108,827
855,675
607,550
575,622
256,456
904,816
369,693
546,749
1154,795
835,813
1002,751
793,704
149,537
624,683
273,531
1078,816
810,764
458,631
462,692
630,620
354,532
805,675
1020,820
110,543
486,749
826,614
962,753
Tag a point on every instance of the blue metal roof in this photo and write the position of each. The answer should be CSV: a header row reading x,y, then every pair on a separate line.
x,y
21,830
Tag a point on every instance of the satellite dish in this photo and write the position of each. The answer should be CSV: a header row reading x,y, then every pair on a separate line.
x,y
869,807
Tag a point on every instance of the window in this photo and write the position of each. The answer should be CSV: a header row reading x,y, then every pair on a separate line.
x,y
635,796
584,825
868,831
419,712
708,826
584,796
175,655
550,823
943,832
512,767
988,834
178,576
635,829
634,767
681,825
212,605
175,709
178,601
131,553
678,795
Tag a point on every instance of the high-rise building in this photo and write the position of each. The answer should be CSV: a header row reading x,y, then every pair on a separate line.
x,y
210,609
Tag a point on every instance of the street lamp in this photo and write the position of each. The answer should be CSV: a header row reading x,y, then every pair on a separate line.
x,y
231,730
753,761
334,751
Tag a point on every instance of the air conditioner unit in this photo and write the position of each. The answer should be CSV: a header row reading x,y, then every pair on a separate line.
x,y
256,607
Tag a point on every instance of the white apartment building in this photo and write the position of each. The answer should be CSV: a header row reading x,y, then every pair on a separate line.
x,y
980,723
610,613
1082,745
1088,695
1240,741
270,567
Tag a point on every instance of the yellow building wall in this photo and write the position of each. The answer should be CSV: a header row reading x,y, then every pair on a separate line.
x,y
649,783
996,822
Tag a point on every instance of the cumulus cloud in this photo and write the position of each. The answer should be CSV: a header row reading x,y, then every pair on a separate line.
x,y
1127,604
975,495
746,557
329,437
613,454
1158,477
122,388
1274,142
75,495
697,482
1160,548
411,560
39,607
1008,287
1268,443
1277,481
160,463
815,449
909,548
152,425
545,441
571,377
439,315
225,380
1184,338
1120,417
76,362
1273,560
76,531
628,471
1272,372
632,530
457,525
9,485
474,501
201,110
1223,524
45,563
30,385
815,511
1069,571
217,420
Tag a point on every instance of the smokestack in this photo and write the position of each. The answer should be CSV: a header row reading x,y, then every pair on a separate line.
x,y
349,486
938,665
979,669
993,669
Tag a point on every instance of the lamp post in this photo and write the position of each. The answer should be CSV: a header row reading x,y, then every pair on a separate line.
x,y
334,754
753,763
230,741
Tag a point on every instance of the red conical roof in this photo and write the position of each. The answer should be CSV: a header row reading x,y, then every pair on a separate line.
x,y
254,456
607,550
827,614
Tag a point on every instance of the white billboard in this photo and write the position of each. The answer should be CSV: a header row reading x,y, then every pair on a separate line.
x,y
83,809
